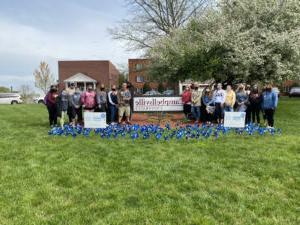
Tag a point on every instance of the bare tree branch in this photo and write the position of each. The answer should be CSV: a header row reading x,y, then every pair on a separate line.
x,y
152,19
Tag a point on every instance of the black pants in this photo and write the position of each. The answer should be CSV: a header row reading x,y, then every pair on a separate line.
x,y
255,110
73,112
187,110
78,113
248,114
270,116
219,111
102,108
52,110
131,110
207,117
70,114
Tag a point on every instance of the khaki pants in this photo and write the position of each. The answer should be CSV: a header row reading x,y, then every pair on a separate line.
x,y
124,109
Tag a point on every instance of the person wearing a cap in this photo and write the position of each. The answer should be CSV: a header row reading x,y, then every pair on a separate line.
x,y
196,102
219,100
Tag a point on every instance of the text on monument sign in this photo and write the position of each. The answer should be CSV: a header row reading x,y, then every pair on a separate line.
x,y
157,104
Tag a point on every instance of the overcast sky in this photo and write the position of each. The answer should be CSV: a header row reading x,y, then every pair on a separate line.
x,y
52,30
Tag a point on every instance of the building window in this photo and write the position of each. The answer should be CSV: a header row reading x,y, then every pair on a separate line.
x,y
140,79
138,67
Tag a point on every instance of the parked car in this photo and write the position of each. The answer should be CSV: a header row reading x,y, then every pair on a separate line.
x,y
294,92
168,92
276,90
152,93
39,100
10,98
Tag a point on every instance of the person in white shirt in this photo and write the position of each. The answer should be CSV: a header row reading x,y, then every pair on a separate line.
x,y
219,100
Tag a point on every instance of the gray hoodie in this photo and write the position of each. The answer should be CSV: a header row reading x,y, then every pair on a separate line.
x,y
76,101
101,97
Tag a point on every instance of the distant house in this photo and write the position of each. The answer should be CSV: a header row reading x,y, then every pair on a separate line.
x,y
137,75
84,73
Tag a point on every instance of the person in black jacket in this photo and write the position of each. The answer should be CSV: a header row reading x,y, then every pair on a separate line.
x,y
255,99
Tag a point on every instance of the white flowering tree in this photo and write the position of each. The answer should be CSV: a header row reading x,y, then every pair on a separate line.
x,y
240,40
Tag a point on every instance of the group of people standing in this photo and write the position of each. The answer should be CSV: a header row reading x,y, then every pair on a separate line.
x,y
71,102
207,106
210,105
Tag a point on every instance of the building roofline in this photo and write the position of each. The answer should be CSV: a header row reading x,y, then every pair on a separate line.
x,y
85,61
139,59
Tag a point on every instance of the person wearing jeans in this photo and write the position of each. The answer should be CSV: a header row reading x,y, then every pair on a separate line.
x,y
229,100
113,103
101,99
242,99
207,106
186,100
219,100
196,103
269,104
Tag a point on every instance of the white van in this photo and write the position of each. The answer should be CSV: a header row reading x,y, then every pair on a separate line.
x,y
10,98
39,100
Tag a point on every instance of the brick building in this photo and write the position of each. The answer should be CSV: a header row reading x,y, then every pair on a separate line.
x,y
137,75
84,73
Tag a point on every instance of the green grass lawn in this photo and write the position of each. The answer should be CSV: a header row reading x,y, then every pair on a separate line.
x,y
233,180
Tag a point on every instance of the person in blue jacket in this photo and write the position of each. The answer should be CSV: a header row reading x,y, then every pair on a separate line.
x,y
269,104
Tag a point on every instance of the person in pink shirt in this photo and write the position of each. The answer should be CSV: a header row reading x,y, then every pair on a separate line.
x,y
186,100
88,99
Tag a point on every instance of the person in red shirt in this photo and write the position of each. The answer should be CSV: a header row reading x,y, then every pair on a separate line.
x,y
186,100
